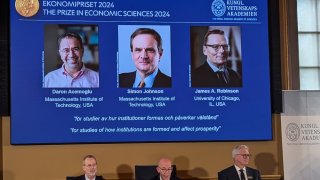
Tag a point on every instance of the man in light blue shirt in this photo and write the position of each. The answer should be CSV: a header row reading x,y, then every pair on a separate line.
x,y
73,73
146,52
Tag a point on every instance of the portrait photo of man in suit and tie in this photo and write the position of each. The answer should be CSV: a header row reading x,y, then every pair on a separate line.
x,y
218,62
147,55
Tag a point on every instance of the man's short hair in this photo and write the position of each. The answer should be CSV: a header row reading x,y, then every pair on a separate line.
x,y
150,31
237,149
214,31
70,35
89,156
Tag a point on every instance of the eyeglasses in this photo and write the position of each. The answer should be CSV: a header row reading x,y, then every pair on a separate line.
x,y
67,50
216,47
165,170
245,155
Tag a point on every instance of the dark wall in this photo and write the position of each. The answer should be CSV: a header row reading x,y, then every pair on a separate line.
x,y
4,69
4,58
275,57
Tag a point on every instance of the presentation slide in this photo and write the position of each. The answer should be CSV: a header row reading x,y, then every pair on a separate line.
x,y
116,71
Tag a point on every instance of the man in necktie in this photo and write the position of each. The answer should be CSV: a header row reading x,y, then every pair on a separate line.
x,y
141,84
146,52
223,77
240,170
214,72
242,176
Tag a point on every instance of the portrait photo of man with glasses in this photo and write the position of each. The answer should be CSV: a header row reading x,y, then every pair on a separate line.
x,y
218,63
77,53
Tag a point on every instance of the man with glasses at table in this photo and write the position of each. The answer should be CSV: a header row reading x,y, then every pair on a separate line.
x,y
73,73
239,170
214,72
89,166
165,170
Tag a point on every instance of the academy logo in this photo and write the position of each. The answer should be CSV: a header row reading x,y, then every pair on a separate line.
x,y
218,8
293,132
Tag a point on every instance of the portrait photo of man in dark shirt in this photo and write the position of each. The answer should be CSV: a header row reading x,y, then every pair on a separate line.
x,y
215,71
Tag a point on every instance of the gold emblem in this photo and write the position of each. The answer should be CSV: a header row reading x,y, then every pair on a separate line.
x,y
27,8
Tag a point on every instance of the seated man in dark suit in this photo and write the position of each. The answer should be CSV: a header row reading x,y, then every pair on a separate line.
x,y
89,166
165,170
239,170
214,72
146,52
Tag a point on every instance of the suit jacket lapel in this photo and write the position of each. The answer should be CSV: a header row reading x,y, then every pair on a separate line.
x,y
235,174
